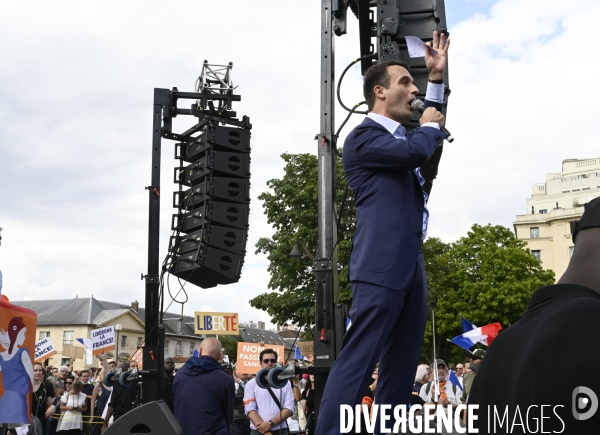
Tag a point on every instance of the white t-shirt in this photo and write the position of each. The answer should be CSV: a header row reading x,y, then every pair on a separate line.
x,y
72,419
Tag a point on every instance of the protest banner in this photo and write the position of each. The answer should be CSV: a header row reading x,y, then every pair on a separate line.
x,y
73,352
103,339
248,356
138,356
216,323
306,348
44,349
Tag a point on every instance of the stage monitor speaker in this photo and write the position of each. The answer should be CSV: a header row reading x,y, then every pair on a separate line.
x,y
215,138
221,213
229,189
397,19
151,418
208,266
229,239
218,163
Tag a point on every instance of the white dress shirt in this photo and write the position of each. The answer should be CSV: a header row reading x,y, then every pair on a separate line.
x,y
435,93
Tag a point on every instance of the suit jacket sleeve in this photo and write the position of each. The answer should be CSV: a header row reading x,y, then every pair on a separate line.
x,y
429,169
376,148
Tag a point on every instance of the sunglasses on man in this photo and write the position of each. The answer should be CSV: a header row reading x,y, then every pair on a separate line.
x,y
267,361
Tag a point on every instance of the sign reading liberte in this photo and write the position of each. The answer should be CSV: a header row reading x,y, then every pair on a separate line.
x,y
44,349
216,323
103,339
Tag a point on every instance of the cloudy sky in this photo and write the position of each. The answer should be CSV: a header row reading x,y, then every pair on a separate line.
x,y
76,90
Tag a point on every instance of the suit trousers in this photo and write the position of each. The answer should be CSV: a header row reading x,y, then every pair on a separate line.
x,y
387,327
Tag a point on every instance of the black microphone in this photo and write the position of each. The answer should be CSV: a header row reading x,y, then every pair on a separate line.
x,y
419,106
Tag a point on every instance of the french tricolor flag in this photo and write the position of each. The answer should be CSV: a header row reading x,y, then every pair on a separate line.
x,y
484,335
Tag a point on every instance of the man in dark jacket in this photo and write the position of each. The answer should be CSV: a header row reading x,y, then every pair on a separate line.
x,y
204,393
521,387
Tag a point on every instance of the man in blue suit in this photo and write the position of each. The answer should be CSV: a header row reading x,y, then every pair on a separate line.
x,y
387,273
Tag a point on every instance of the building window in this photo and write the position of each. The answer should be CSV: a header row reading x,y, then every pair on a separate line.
x,y
44,334
123,340
571,249
576,190
543,211
565,191
65,361
537,254
139,342
68,337
534,233
166,347
178,348
192,345
586,188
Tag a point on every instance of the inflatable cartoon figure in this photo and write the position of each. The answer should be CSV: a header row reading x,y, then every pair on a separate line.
x,y
17,373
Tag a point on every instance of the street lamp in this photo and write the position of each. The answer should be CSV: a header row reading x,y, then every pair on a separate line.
x,y
118,328
297,253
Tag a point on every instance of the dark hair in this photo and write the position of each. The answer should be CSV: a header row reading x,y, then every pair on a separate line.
x,y
84,371
378,75
38,364
308,385
266,351
70,377
77,385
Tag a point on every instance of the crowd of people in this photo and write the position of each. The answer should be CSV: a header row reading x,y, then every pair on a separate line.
x,y
74,402
207,399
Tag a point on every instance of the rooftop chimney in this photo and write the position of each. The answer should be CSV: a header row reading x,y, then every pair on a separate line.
x,y
135,305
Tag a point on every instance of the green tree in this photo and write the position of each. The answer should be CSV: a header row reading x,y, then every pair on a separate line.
x,y
487,276
291,206
230,342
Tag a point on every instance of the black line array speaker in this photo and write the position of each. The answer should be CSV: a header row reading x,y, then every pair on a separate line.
x,y
213,202
397,19
151,418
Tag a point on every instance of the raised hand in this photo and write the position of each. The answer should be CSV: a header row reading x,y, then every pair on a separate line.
x,y
436,63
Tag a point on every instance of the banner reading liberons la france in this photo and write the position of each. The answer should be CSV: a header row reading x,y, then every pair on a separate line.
x,y
44,349
103,340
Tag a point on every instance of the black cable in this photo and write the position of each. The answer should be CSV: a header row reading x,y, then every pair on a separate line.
x,y
313,299
337,134
342,77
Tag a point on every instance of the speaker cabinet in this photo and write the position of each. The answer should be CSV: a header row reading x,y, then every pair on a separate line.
x,y
151,418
